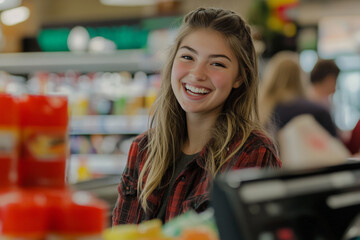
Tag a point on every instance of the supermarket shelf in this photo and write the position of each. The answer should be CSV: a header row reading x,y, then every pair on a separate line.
x,y
96,185
110,166
122,60
108,124
96,165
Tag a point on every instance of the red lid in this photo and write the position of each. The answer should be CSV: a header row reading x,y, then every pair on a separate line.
x,y
9,106
81,213
23,213
43,110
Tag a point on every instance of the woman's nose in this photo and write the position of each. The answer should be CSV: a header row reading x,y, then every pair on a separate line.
x,y
199,71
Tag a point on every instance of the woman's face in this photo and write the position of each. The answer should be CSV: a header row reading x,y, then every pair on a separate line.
x,y
204,72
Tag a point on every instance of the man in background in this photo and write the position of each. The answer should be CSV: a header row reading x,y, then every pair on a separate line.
x,y
323,79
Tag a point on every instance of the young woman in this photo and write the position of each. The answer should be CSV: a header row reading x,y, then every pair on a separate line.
x,y
205,121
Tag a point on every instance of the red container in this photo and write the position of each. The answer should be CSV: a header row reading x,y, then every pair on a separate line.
x,y
9,135
80,215
44,140
23,215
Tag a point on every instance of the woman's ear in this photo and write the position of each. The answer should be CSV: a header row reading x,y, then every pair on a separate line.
x,y
237,82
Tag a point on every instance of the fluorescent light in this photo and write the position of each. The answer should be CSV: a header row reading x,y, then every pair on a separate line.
x,y
7,4
15,15
128,2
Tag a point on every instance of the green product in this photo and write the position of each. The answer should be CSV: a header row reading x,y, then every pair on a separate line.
x,y
120,105
190,219
53,40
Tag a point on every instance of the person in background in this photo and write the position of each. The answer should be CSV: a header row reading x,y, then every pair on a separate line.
x,y
323,79
205,121
283,95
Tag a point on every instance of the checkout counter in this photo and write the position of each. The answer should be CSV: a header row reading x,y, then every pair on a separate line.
x,y
264,204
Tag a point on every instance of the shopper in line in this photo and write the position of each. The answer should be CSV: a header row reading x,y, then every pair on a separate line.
x,y
323,79
205,121
283,95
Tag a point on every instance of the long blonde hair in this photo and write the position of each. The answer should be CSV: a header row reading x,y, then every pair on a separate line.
x,y
283,81
237,119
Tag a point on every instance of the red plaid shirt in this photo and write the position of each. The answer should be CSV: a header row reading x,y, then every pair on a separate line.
x,y
191,187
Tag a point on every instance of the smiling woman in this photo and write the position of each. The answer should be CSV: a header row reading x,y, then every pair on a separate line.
x,y
206,121
205,71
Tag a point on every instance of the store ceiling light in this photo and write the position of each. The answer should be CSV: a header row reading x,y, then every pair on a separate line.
x,y
14,16
128,2
7,4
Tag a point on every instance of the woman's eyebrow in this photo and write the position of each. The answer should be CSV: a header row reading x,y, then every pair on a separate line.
x,y
211,56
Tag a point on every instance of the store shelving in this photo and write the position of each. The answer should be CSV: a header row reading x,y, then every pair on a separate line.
x,y
108,124
121,60
125,127
101,165
98,164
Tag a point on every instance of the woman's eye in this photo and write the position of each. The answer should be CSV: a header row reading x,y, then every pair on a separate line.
x,y
218,64
187,57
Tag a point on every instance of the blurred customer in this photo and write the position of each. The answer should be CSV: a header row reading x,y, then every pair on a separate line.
x,y
323,79
283,95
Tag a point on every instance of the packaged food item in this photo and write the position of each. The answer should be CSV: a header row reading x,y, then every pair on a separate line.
x,y
151,229
23,215
9,136
44,148
147,230
77,215
122,232
191,220
198,233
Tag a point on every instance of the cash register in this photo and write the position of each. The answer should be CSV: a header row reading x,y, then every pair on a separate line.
x,y
276,204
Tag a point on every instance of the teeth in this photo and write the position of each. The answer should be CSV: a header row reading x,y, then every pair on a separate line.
x,y
196,90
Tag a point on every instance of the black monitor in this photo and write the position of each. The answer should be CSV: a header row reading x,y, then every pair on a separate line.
x,y
273,204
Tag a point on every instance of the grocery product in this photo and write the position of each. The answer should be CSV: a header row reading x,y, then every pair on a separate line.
x,y
122,232
23,215
78,215
191,220
147,230
9,136
198,233
43,122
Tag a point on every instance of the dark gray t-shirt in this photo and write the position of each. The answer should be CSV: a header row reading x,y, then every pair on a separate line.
x,y
179,167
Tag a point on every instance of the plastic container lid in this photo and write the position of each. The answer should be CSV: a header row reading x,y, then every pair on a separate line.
x,y
23,214
43,110
10,116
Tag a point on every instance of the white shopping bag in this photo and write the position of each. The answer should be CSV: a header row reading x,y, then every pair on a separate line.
x,y
304,143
